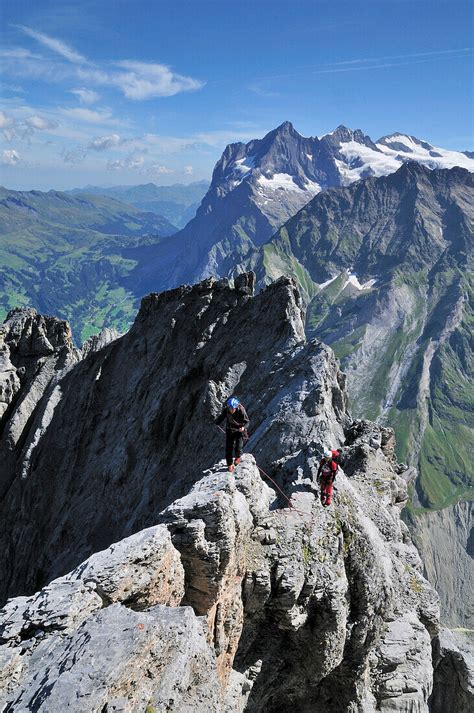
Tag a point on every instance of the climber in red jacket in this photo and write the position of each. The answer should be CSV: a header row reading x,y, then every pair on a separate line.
x,y
326,474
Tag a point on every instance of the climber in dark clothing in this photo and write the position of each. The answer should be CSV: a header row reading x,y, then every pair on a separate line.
x,y
326,474
237,422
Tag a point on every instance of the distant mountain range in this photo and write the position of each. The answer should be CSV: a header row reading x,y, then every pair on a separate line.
x,y
65,255
256,187
177,203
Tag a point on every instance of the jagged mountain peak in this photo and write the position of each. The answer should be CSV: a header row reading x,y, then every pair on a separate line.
x,y
285,128
259,185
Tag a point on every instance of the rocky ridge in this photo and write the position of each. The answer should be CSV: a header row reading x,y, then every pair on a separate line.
x,y
232,604
144,404
214,596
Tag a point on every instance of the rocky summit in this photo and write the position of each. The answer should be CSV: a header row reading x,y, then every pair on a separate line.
x,y
145,577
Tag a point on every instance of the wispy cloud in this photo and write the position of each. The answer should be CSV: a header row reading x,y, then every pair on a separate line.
x,y
40,123
134,79
91,116
134,161
73,156
363,64
14,128
160,170
143,80
54,44
85,96
262,92
102,143
433,54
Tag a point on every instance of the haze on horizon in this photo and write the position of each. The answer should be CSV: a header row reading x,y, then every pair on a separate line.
x,y
118,92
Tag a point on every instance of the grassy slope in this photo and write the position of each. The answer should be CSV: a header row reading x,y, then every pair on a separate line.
x,y
445,461
62,255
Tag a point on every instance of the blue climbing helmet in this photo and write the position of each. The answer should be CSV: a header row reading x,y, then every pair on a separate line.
x,y
233,402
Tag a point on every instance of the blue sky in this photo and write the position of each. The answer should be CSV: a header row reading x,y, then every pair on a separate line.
x,y
129,91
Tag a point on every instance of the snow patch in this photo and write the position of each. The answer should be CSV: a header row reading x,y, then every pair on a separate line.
x,y
417,152
351,279
286,182
328,282
359,160
239,169
244,165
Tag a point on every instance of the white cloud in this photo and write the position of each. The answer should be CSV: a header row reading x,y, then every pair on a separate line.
x,y
19,53
86,96
10,157
135,79
14,128
56,45
101,143
144,80
40,123
188,170
161,170
5,121
73,156
89,115
134,161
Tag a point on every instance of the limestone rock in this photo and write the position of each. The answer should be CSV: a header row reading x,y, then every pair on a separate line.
x,y
121,660
332,614
35,350
139,571
454,672
95,450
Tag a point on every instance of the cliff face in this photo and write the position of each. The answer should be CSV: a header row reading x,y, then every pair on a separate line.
x,y
233,604
216,596
445,540
129,428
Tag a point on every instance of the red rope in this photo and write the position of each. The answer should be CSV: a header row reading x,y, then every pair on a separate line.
x,y
301,512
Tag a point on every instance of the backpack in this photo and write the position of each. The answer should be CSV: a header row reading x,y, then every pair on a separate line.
x,y
338,458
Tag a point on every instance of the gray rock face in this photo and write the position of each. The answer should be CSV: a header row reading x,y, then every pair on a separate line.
x,y
145,404
34,351
110,634
219,594
99,341
445,541
310,608
453,656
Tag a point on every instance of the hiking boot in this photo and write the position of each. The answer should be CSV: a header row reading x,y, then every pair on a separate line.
x,y
237,461
230,468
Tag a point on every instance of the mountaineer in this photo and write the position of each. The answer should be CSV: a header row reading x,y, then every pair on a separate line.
x,y
236,429
326,474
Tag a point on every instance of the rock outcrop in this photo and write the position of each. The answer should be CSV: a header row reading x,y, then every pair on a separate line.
x,y
35,351
453,658
130,428
232,603
219,593
445,540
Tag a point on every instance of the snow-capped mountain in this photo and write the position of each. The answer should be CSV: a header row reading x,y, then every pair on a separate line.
x,y
357,156
256,187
